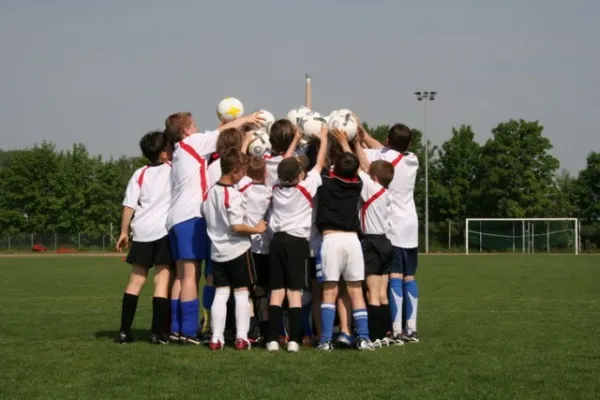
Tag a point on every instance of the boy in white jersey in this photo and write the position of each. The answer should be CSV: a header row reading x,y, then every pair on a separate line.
x,y
284,138
147,200
377,248
257,197
228,139
290,221
230,249
187,228
404,227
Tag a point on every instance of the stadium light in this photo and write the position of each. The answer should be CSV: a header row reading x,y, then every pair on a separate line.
x,y
426,97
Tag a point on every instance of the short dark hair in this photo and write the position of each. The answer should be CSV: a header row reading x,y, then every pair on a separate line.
x,y
399,138
346,166
289,169
229,138
256,169
281,135
175,125
383,171
232,160
152,144
334,152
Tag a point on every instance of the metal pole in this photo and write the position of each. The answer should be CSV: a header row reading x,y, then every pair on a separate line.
x,y
426,177
467,236
577,227
308,92
513,225
449,234
32,240
79,241
9,243
523,234
103,242
55,242
480,237
548,237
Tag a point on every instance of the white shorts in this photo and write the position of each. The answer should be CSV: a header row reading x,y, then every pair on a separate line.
x,y
341,256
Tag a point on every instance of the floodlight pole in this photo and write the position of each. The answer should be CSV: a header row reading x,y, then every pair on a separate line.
x,y
426,97
308,92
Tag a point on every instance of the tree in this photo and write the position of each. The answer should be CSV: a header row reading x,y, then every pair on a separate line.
x,y
516,172
587,199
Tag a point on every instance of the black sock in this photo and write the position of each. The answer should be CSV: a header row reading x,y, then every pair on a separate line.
x,y
386,319
275,317
264,329
160,312
253,322
295,321
128,311
374,321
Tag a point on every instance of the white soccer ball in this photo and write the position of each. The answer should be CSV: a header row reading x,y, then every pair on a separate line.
x,y
311,124
292,116
229,109
343,111
345,122
268,119
260,144
302,111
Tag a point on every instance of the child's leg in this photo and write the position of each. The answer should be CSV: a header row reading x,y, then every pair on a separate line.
x,y
386,319
411,293
396,290
330,294
317,295
218,314
344,307
130,297
208,292
160,301
277,283
295,314
307,326
175,308
242,313
374,306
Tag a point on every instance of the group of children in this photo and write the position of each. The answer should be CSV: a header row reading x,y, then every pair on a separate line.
x,y
287,239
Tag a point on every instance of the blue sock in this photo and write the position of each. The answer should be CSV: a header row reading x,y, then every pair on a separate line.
x,y
175,316
396,291
361,321
327,319
411,294
208,296
189,317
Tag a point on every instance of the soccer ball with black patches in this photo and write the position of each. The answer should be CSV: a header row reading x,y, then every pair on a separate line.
x,y
268,120
295,114
345,122
260,144
311,124
229,109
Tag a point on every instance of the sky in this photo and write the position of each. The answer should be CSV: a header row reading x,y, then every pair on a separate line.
x,y
105,72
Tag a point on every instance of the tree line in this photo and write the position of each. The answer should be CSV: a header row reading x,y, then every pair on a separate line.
x,y
511,175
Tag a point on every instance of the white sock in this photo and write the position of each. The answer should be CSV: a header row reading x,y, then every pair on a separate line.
x,y
218,313
242,314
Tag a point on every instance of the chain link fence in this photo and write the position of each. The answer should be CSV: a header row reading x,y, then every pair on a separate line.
x,y
56,242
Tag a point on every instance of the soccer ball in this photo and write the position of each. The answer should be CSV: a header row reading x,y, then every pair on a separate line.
x,y
269,119
229,109
260,144
311,124
292,116
345,122
343,111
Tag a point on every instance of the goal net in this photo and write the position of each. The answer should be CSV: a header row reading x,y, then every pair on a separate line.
x,y
522,235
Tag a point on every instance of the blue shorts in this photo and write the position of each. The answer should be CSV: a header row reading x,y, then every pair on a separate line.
x,y
404,261
189,240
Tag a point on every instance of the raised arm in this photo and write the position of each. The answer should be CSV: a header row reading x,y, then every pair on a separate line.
x,y
254,118
292,149
362,157
322,154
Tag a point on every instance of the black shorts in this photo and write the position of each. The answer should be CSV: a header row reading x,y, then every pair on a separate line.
x,y
288,262
378,253
236,273
261,265
312,267
149,254
404,261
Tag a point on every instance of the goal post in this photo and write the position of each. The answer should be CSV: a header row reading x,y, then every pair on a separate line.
x,y
522,235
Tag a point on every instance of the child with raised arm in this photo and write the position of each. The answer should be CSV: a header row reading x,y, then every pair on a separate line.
x,y
231,245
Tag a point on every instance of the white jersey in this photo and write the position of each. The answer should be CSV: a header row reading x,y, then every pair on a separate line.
x,y
272,162
292,206
188,177
223,208
403,219
257,198
148,193
213,173
375,207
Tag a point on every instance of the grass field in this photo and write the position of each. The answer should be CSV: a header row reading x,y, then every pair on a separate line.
x,y
492,327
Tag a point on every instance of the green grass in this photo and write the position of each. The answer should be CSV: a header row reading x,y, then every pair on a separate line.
x,y
492,327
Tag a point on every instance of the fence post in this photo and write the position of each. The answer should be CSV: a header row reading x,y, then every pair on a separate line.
x,y
32,240
55,242
9,243
103,242
79,241
449,234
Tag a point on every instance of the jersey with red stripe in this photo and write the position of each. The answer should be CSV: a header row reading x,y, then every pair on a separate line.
x,y
272,162
375,207
257,197
188,177
148,193
403,219
213,173
224,207
292,206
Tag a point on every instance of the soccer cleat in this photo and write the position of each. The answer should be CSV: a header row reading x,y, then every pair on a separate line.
x,y
254,336
385,342
174,337
242,344
377,344
159,338
293,347
124,338
412,338
344,341
272,346
194,340
364,344
216,346
325,346
283,340
307,341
